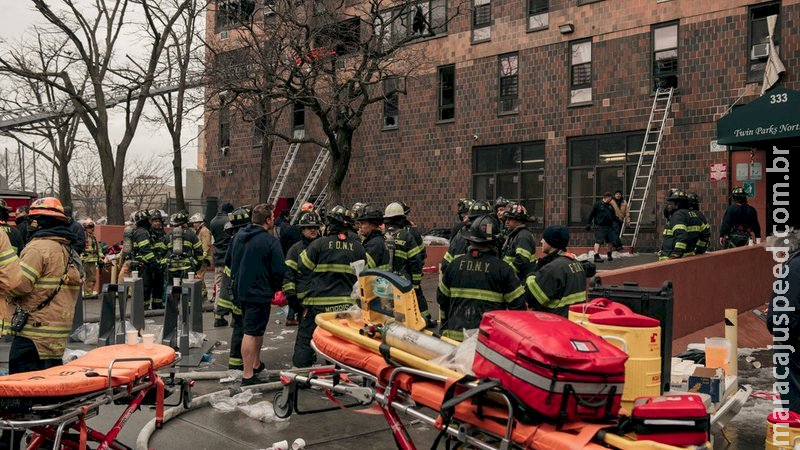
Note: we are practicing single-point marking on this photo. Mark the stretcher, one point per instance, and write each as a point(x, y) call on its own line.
point(399, 382)
point(54, 404)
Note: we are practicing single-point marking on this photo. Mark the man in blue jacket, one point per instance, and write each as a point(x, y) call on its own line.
point(257, 270)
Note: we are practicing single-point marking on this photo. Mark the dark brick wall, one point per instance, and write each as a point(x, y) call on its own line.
point(428, 164)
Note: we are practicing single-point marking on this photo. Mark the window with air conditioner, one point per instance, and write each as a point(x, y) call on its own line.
point(508, 100)
point(665, 56)
point(538, 15)
point(758, 48)
point(580, 76)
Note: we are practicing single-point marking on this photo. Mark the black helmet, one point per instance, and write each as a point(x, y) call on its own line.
point(239, 217)
point(478, 209)
point(370, 213)
point(516, 211)
point(339, 215)
point(141, 215)
point(694, 200)
point(679, 198)
point(179, 218)
point(309, 220)
point(356, 209)
point(483, 229)
point(738, 192)
point(155, 214)
point(500, 203)
point(464, 204)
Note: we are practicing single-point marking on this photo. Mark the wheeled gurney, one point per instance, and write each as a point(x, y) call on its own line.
point(54, 404)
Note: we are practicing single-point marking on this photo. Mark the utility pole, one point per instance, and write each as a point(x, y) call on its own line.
point(35, 185)
point(6, 164)
point(21, 160)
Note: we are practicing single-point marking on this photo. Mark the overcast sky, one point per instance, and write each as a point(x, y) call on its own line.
point(18, 17)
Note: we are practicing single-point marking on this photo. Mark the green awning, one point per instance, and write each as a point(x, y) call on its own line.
point(774, 115)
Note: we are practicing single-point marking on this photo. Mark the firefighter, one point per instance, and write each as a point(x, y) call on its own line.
point(326, 263)
point(558, 279)
point(9, 271)
point(47, 290)
point(404, 254)
point(310, 223)
point(141, 257)
point(519, 250)
point(603, 219)
point(92, 255)
point(205, 241)
point(477, 282)
point(222, 241)
point(184, 253)
point(412, 228)
point(14, 236)
point(680, 234)
point(458, 245)
point(159, 240)
point(294, 233)
point(463, 209)
point(500, 205)
point(238, 219)
point(703, 227)
point(369, 223)
point(740, 222)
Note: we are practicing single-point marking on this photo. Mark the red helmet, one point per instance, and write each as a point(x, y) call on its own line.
point(48, 206)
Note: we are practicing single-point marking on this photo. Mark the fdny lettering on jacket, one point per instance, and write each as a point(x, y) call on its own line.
point(341, 245)
point(474, 266)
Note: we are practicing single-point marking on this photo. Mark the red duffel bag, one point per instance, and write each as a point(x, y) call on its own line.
point(556, 367)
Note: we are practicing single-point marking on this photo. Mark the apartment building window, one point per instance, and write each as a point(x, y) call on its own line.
point(409, 22)
point(269, 8)
point(447, 92)
point(580, 72)
point(230, 67)
point(665, 56)
point(481, 20)
point(232, 13)
point(344, 37)
point(758, 50)
point(538, 14)
point(514, 171)
point(509, 83)
point(599, 164)
point(224, 127)
point(390, 113)
point(298, 119)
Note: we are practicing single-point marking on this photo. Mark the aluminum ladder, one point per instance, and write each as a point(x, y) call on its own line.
point(311, 181)
point(321, 198)
point(640, 186)
point(286, 167)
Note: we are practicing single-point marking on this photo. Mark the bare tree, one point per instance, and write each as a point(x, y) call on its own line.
point(58, 133)
point(146, 183)
point(182, 62)
point(333, 57)
point(87, 185)
point(93, 34)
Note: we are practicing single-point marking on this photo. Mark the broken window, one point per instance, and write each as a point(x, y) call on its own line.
point(665, 56)
point(447, 92)
point(231, 13)
point(224, 127)
point(758, 50)
point(390, 86)
point(411, 21)
point(509, 83)
point(344, 38)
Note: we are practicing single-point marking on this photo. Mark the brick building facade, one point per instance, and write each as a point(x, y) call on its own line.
point(588, 140)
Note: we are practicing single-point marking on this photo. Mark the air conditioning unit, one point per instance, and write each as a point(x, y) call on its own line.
point(759, 51)
point(223, 35)
point(225, 150)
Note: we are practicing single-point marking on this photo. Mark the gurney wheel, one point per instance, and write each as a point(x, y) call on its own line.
point(282, 404)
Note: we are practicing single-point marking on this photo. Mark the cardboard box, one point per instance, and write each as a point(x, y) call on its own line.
point(709, 381)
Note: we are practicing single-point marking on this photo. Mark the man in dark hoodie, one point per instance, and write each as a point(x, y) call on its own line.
point(22, 223)
point(79, 243)
point(257, 270)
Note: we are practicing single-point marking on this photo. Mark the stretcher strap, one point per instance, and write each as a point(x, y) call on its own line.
point(83, 430)
point(159, 401)
point(371, 411)
point(450, 402)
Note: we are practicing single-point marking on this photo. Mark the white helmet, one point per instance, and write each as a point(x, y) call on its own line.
point(87, 222)
point(394, 209)
point(196, 218)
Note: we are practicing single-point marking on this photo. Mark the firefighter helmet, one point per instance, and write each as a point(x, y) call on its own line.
point(339, 215)
point(196, 218)
point(479, 209)
point(309, 220)
point(370, 214)
point(155, 214)
point(500, 203)
point(141, 215)
point(694, 200)
point(4, 205)
point(678, 196)
point(357, 207)
point(464, 205)
point(239, 217)
point(50, 207)
point(179, 218)
point(738, 192)
point(516, 211)
point(484, 229)
point(394, 209)
point(87, 223)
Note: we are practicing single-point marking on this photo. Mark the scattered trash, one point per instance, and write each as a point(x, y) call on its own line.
point(765, 395)
point(298, 444)
point(756, 364)
point(277, 338)
point(207, 358)
point(221, 352)
point(750, 359)
point(287, 332)
point(87, 333)
point(262, 411)
point(71, 355)
point(263, 349)
point(226, 404)
point(233, 376)
point(196, 339)
point(460, 359)
point(219, 344)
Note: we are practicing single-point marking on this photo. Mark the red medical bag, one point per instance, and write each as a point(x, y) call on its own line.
point(678, 420)
point(554, 366)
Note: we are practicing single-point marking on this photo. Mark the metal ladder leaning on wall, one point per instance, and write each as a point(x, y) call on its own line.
point(321, 198)
point(310, 183)
point(640, 188)
point(280, 180)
